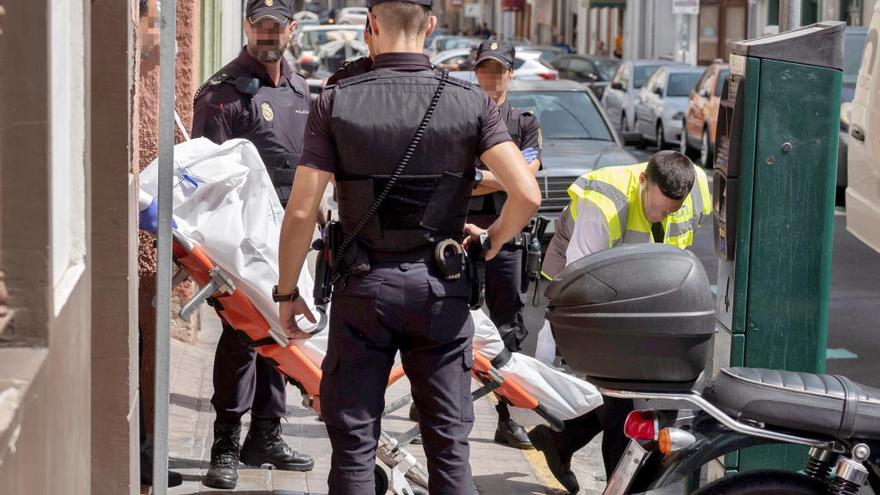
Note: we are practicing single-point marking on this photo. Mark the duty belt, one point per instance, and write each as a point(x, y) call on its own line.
point(447, 255)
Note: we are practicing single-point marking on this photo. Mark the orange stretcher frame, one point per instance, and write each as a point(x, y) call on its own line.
point(238, 311)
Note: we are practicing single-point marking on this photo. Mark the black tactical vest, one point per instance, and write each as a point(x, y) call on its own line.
point(374, 118)
point(491, 204)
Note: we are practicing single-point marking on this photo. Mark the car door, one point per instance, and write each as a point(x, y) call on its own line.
point(583, 71)
point(615, 95)
point(561, 66)
point(646, 102)
point(702, 111)
point(693, 123)
point(715, 101)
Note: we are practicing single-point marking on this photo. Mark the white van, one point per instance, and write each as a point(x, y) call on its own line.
point(863, 190)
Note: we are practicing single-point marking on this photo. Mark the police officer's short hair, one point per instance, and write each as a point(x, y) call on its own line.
point(672, 172)
point(403, 17)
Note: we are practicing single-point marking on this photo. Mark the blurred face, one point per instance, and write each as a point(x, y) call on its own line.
point(267, 39)
point(655, 204)
point(494, 78)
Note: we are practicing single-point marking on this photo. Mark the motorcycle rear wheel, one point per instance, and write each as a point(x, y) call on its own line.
point(765, 482)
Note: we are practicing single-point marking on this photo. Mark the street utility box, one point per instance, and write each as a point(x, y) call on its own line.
point(774, 184)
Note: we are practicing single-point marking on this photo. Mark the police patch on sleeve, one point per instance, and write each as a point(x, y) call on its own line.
point(266, 110)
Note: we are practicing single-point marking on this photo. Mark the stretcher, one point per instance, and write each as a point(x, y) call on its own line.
point(218, 290)
point(228, 222)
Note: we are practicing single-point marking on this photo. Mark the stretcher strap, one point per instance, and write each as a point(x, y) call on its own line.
point(502, 358)
point(254, 344)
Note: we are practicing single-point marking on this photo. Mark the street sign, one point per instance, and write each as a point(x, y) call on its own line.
point(685, 7)
point(473, 10)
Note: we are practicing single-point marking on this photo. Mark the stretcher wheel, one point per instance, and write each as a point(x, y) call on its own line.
point(381, 480)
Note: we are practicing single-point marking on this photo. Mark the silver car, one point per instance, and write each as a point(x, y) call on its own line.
point(576, 136)
point(527, 64)
point(619, 97)
point(660, 104)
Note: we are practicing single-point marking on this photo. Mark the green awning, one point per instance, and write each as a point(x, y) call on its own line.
point(619, 4)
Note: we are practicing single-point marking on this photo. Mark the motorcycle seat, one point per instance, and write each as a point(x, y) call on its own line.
point(826, 404)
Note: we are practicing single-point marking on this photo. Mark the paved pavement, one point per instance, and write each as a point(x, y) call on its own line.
point(497, 469)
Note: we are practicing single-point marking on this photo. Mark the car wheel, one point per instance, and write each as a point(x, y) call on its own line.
point(623, 125)
point(642, 144)
point(705, 150)
point(661, 143)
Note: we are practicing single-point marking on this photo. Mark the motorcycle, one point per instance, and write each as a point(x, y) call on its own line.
point(639, 322)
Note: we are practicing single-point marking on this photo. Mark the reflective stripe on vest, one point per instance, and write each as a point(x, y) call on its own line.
point(615, 191)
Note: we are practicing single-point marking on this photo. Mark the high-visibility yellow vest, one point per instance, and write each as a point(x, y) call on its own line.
point(615, 191)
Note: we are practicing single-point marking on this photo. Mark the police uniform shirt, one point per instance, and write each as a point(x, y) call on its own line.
point(273, 118)
point(319, 150)
point(526, 134)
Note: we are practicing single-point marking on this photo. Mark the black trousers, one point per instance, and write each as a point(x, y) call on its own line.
point(609, 419)
point(399, 307)
point(244, 381)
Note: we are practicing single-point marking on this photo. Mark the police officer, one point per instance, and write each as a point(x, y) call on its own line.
point(408, 293)
point(257, 97)
point(664, 201)
point(504, 273)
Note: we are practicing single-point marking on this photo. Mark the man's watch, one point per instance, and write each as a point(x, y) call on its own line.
point(284, 297)
point(478, 177)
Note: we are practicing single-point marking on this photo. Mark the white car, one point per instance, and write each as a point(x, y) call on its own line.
point(310, 39)
point(863, 167)
point(352, 15)
point(660, 105)
point(527, 64)
point(619, 98)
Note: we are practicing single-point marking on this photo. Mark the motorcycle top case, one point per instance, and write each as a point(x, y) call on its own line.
point(638, 317)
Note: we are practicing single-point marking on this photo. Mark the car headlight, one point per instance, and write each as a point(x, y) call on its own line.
point(678, 116)
point(845, 114)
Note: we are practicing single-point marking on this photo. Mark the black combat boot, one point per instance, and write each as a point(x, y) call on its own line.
point(264, 445)
point(224, 456)
point(556, 454)
point(509, 432)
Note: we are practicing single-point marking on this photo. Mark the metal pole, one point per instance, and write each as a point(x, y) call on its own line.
point(789, 15)
point(167, 55)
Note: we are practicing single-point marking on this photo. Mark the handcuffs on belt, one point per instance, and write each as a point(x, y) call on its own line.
point(450, 259)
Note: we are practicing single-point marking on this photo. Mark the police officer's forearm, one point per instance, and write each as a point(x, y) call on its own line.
point(523, 195)
point(299, 224)
point(490, 184)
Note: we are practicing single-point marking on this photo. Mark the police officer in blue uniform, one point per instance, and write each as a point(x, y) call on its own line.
point(256, 97)
point(401, 141)
point(504, 300)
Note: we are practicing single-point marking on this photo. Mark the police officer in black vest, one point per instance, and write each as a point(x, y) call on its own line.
point(257, 97)
point(401, 141)
point(494, 69)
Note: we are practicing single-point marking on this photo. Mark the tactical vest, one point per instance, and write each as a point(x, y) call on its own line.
point(491, 204)
point(280, 147)
point(374, 118)
point(615, 191)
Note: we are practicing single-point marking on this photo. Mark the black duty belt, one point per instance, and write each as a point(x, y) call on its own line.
point(422, 255)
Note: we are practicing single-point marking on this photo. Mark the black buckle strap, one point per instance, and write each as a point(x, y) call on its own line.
point(502, 358)
point(850, 407)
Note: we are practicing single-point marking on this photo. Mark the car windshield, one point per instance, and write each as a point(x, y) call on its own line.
point(563, 114)
point(682, 83)
point(312, 40)
point(607, 67)
point(642, 73)
point(853, 48)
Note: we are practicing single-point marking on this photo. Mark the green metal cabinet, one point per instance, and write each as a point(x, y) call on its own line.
point(774, 185)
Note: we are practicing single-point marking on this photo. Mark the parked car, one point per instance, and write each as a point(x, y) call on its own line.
point(445, 42)
point(701, 115)
point(853, 49)
point(661, 103)
point(309, 40)
point(595, 72)
point(619, 97)
point(548, 53)
point(306, 18)
point(863, 191)
point(577, 136)
point(352, 15)
point(527, 64)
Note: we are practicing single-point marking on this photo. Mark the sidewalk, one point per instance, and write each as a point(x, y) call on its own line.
point(497, 469)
